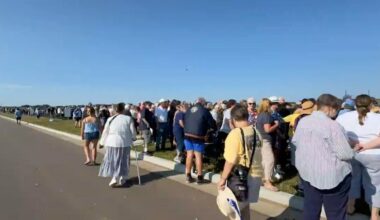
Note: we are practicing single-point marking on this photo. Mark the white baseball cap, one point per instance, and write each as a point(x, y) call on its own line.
point(162, 101)
point(273, 99)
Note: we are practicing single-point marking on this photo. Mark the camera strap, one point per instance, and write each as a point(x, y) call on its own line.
point(245, 148)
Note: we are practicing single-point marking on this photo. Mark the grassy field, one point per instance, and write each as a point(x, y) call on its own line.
point(57, 124)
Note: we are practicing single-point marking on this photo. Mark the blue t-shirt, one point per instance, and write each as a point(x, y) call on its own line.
point(77, 113)
point(18, 114)
point(177, 127)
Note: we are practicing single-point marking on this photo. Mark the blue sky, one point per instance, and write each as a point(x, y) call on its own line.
point(73, 52)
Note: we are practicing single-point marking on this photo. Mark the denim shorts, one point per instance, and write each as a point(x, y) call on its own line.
point(194, 146)
point(91, 136)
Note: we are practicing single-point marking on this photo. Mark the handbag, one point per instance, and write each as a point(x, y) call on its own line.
point(105, 133)
point(238, 179)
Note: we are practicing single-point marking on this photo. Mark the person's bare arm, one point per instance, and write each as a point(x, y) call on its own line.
point(226, 173)
point(270, 128)
point(82, 129)
point(181, 123)
point(146, 122)
point(369, 145)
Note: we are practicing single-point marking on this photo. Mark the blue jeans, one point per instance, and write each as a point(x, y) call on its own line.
point(162, 133)
point(179, 139)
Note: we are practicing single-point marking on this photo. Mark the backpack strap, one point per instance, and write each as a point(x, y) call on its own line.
point(253, 147)
point(243, 142)
point(109, 124)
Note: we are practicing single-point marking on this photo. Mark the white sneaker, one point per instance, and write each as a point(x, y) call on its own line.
point(122, 181)
point(177, 159)
point(113, 182)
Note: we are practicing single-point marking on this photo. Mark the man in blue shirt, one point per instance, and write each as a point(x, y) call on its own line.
point(198, 121)
point(18, 115)
point(77, 115)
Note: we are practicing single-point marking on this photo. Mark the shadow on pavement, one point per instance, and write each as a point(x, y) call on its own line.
point(289, 213)
point(149, 177)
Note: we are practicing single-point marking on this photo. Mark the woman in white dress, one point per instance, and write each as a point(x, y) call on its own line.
point(118, 136)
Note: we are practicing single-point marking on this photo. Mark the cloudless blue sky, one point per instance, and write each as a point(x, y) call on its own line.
point(73, 52)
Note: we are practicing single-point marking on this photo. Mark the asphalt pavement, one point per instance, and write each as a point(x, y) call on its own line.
point(42, 177)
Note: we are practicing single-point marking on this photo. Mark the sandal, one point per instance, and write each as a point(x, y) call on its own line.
point(88, 163)
point(93, 163)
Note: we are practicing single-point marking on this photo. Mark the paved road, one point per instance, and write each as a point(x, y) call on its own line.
point(42, 177)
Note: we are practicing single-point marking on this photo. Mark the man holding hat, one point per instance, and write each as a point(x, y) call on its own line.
point(237, 153)
point(228, 204)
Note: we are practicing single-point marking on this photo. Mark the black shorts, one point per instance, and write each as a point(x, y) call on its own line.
point(77, 119)
point(18, 118)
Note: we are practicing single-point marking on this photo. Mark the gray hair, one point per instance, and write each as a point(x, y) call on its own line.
point(201, 100)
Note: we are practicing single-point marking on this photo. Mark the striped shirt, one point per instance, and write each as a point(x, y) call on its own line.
point(323, 154)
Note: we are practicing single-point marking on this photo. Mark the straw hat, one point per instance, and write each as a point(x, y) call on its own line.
point(307, 107)
point(228, 204)
point(376, 109)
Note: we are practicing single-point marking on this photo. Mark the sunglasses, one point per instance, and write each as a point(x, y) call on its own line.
point(251, 103)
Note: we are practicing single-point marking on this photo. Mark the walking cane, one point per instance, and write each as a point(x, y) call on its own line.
point(137, 164)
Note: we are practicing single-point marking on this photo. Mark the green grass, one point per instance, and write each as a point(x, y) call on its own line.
point(57, 124)
point(289, 184)
point(167, 154)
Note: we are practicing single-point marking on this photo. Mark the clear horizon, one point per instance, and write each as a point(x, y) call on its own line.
point(75, 52)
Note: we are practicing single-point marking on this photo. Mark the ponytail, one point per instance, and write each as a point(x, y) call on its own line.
point(362, 114)
point(363, 106)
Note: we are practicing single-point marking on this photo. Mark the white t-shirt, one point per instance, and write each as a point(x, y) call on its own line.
point(161, 115)
point(362, 133)
point(226, 121)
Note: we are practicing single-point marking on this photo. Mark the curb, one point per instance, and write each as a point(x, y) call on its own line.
point(280, 198)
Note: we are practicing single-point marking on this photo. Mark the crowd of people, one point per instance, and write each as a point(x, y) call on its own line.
point(333, 143)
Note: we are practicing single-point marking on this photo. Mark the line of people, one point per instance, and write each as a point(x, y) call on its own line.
point(335, 146)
